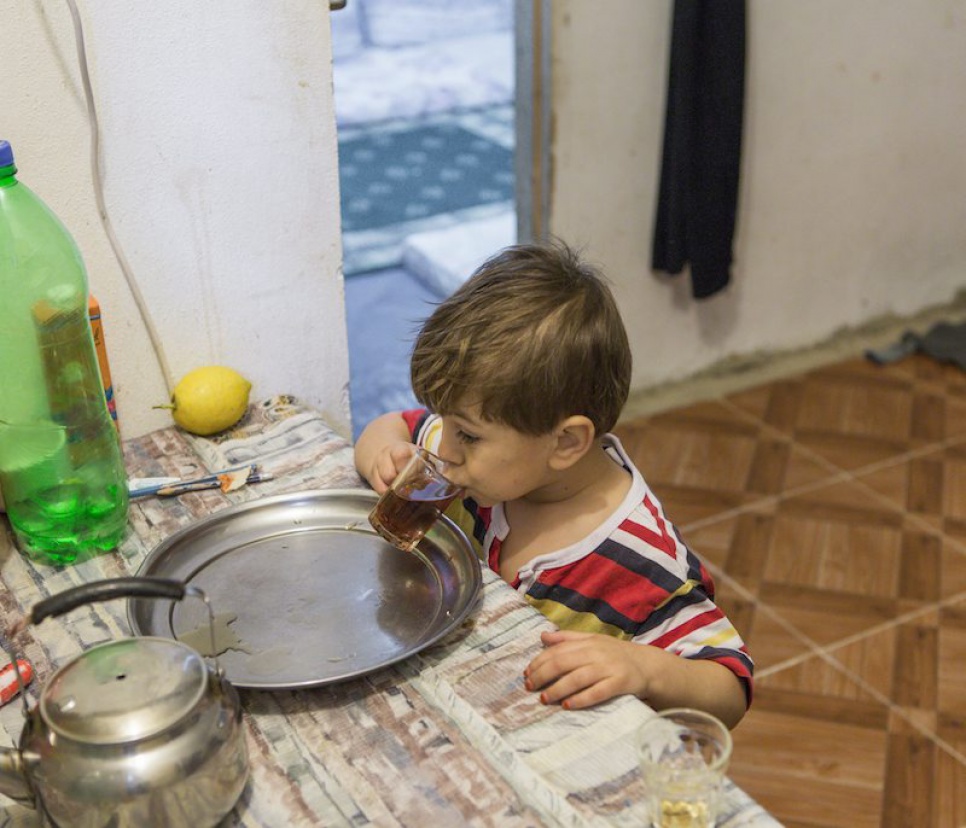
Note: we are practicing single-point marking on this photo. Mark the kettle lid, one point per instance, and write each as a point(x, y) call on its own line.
point(124, 690)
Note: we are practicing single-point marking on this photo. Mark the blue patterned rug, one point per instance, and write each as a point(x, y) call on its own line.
point(400, 176)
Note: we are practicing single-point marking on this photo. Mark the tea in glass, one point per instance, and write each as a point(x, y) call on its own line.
point(415, 500)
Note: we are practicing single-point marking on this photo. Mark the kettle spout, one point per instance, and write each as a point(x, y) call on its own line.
point(13, 777)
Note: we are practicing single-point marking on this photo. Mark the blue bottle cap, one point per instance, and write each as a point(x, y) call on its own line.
point(6, 153)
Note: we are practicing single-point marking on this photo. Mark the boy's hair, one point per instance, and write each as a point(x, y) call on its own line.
point(533, 336)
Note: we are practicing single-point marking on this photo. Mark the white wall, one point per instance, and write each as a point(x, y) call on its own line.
point(853, 192)
point(219, 154)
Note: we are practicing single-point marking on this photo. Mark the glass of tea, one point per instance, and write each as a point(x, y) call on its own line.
point(684, 755)
point(415, 500)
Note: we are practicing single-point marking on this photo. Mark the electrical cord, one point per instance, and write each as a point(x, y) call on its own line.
point(102, 207)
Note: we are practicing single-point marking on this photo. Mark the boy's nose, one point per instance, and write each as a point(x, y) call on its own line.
point(449, 450)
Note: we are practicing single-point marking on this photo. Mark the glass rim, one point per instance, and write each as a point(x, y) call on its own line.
point(433, 463)
point(439, 465)
point(425, 452)
point(720, 763)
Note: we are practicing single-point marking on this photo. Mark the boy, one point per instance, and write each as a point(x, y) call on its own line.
point(525, 369)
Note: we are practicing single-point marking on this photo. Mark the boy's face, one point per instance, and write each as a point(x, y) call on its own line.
point(492, 461)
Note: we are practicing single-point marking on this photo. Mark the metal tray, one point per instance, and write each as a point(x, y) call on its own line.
point(305, 593)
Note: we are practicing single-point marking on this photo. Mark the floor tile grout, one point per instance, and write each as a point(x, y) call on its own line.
point(838, 475)
point(826, 654)
point(905, 499)
point(892, 707)
point(812, 647)
point(838, 471)
point(878, 629)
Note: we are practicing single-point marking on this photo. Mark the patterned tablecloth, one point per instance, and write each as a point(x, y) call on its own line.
point(448, 737)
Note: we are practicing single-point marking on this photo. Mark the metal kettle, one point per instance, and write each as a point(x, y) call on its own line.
point(134, 732)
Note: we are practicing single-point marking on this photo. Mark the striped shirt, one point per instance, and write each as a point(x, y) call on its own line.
point(633, 577)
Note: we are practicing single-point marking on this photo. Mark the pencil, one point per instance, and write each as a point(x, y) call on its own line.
point(208, 481)
point(201, 485)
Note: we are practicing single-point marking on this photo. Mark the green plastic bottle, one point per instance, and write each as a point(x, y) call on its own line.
point(61, 469)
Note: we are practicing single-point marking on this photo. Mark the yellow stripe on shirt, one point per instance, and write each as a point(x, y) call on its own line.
point(728, 634)
point(462, 517)
point(684, 589)
point(567, 619)
point(434, 435)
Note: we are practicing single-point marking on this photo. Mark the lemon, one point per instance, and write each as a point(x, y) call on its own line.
point(209, 399)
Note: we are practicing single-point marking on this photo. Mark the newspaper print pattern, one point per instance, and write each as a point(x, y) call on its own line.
point(447, 737)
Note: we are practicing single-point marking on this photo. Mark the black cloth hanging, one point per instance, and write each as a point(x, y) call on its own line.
point(698, 197)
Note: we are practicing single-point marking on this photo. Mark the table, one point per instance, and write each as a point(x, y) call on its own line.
point(448, 737)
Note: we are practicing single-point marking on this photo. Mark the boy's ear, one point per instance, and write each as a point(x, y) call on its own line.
point(575, 436)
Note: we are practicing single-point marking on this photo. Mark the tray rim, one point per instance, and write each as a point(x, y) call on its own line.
point(472, 596)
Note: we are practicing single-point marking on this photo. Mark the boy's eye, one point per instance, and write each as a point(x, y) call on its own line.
point(463, 437)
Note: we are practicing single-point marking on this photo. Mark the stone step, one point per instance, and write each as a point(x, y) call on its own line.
point(443, 259)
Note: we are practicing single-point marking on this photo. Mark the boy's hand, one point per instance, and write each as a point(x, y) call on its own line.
point(578, 670)
point(383, 449)
point(387, 463)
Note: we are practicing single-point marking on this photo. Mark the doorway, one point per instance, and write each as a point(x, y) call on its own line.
point(425, 96)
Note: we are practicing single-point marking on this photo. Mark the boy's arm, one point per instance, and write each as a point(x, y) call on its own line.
point(382, 449)
point(580, 670)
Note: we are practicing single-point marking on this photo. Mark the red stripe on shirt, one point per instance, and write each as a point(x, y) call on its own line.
point(660, 539)
point(597, 575)
point(681, 631)
point(413, 417)
point(739, 668)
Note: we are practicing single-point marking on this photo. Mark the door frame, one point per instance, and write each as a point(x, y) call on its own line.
point(532, 112)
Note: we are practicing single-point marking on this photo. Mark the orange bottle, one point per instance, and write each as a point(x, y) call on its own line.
point(97, 328)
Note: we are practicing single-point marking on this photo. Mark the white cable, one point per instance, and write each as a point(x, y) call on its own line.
point(102, 208)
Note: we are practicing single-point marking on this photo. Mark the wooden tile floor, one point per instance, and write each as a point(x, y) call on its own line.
point(831, 509)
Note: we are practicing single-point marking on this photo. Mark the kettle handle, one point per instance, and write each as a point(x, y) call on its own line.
point(105, 590)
